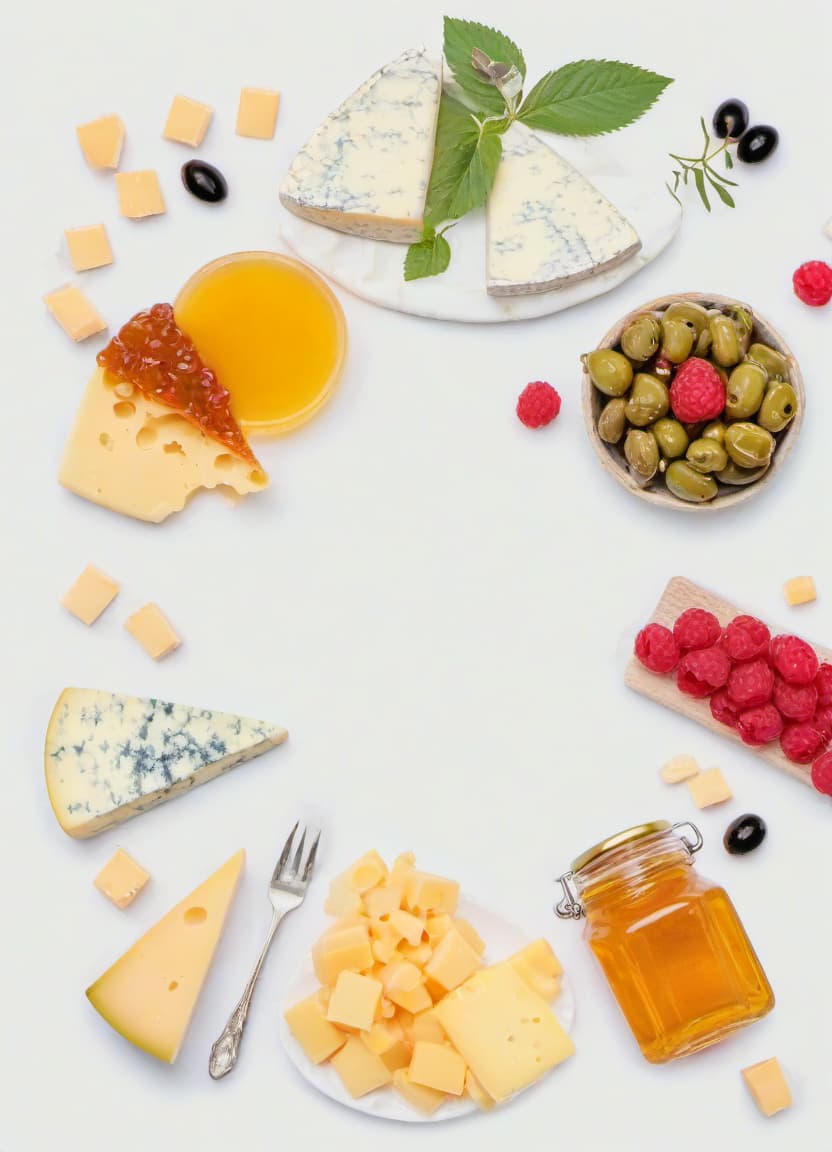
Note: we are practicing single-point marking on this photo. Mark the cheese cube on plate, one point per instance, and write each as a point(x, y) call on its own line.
point(91, 593)
point(768, 1086)
point(336, 952)
point(453, 961)
point(121, 879)
point(139, 194)
point(187, 121)
point(425, 893)
point(382, 901)
point(539, 967)
point(88, 247)
point(361, 1071)
point(469, 933)
point(424, 1100)
point(153, 631)
point(354, 1001)
point(308, 1024)
point(437, 1066)
point(477, 1093)
point(257, 113)
point(101, 141)
point(74, 312)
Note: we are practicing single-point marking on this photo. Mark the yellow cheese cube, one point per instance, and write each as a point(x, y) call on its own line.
point(88, 247)
point(418, 954)
point(426, 1026)
point(539, 967)
point(437, 1066)
point(678, 769)
point(121, 879)
point(139, 194)
point(343, 901)
point(187, 121)
point(415, 1000)
point(800, 590)
point(453, 961)
point(385, 946)
point(91, 593)
point(402, 865)
point(478, 1094)
point(709, 788)
point(410, 926)
point(308, 1024)
point(387, 1040)
point(75, 314)
point(101, 141)
point(505, 1032)
point(366, 873)
point(424, 893)
point(424, 1100)
point(400, 976)
point(469, 933)
point(257, 113)
point(337, 952)
point(361, 1071)
point(437, 926)
point(153, 631)
point(768, 1086)
point(388, 1009)
point(382, 901)
point(354, 1002)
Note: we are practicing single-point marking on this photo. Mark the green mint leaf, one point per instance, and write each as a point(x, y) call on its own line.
point(673, 194)
point(699, 177)
point(714, 175)
point(723, 193)
point(430, 257)
point(461, 36)
point(706, 135)
point(465, 160)
point(590, 97)
point(729, 160)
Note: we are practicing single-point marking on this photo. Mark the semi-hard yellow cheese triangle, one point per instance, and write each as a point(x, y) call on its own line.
point(139, 457)
point(150, 993)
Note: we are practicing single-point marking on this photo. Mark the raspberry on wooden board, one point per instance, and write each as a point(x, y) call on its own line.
point(696, 628)
point(794, 659)
point(759, 726)
point(751, 683)
point(702, 671)
point(746, 637)
point(822, 774)
point(656, 648)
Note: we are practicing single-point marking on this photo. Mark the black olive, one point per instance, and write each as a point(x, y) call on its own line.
point(757, 144)
point(204, 181)
point(744, 834)
point(730, 119)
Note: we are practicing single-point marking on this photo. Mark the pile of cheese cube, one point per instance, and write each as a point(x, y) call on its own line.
point(405, 1000)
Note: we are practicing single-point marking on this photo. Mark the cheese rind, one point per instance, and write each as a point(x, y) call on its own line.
point(547, 225)
point(366, 169)
point(101, 141)
point(109, 757)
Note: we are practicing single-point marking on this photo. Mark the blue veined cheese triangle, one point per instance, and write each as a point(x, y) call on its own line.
point(109, 757)
point(366, 169)
point(548, 226)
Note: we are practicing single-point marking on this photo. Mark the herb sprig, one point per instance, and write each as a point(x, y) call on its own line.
point(703, 172)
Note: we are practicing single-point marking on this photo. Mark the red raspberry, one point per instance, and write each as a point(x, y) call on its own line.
point(813, 283)
point(696, 628)
point(697, 392)
point(723, 709)
point(760, 725)
point(823, 683)
point(702, 671)
point(822, 720)
point(656, 648)
point(795, 701)
point(746, 637)
point(801, 743)
point(822, 774)
point(794, 659)
point(751, 684)
point(538, 404)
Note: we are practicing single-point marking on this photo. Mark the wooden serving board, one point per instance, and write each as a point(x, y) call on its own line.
point(679, 595)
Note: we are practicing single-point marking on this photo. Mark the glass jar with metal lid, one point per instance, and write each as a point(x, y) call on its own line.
point(670, 942)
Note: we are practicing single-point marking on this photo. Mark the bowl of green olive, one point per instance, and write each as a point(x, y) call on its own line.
point(735, 386)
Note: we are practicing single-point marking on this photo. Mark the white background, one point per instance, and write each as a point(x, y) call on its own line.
point(437, 602)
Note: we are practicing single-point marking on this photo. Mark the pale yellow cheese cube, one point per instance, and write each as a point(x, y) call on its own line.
point(424, 1100)
point(187, 121)
point(354, 1001)
point(539, 967)
point(257, 113)
point(91, 593)
point(426, 1026)
point(153, 631)
point(477, 1093)
point(101, 141)
point(365, 873)
point(437, 1066)
point(74, 312)
point(387, 1040)
point(678, 769)
point(361, 1071)
point(417, 954)
point(139, 194)
point(768, 1086)
point(469, 933)
point(453, 961)
point(800, 590)
point(121, 879)
point(402, 865)
point(709, 788)
point(413, 1000)
point(400, 976)
point(425, 893)
point(385, 944)
point(348, 950)
point(388, 1009)
point(437, 926)
point(88, 247)
point(343, 901)
point(308, 1024)
point(382, 901)
point(411, 927)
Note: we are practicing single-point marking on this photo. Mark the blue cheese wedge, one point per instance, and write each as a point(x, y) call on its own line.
point(366, 169)
point(109, 757)
point(547, 225)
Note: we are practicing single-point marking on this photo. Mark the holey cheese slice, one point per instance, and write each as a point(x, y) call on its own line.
point(150, 993)
point(366, 169)
point(138, 457)
point(109, 757)
point(547, 225)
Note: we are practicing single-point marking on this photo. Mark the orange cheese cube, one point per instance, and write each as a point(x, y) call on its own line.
point(768, 1086)
point(437, 1066)
point(800, 590)
point(471, 935)
point(88, 247)
point(453, 961)
point(139, 194)
point(152, 631)
point(101, 141)
point(308, 1024)
point(539, 967)
point(187, 121)
point(361, 1071)
point(382, 901)
point(709, 788)
point(410, 926)
point(121, 879)
point(426, 893)
point(354, 1001)
point(75, 314)
point(426, 1026)
point(91, 593)
point(337, 952)
point(424, 1100)
point(477, 1093)
point(257, 113)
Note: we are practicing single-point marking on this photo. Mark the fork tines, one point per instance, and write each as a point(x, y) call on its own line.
point(303, 860)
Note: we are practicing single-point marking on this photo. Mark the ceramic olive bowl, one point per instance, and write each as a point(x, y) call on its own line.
point(612, 455)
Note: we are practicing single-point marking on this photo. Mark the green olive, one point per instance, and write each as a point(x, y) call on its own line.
point(714, 431)
point(677, 340)
point(749, 445)
point(775, 364)
point(671, 437)
point(688, 484)
point(640, 339)
point(706, 455)
point(612, 421)
point(642, 454)
point(611, 373)
point(648, 400)
point(778, 407)
point(725, 341)
point(746, 386)
point(703, 343)
point(694, 315)
point(736, 476)
point(744, 323)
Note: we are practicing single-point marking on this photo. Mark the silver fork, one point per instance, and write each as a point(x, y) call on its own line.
point(287, 889)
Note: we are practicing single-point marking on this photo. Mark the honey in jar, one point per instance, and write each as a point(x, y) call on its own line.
point(670, 942)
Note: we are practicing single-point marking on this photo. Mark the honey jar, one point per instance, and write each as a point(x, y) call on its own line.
point(670, 942)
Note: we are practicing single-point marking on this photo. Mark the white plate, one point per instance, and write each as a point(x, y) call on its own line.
point(502, 939)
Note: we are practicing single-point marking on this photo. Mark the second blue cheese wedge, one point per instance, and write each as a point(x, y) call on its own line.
point(366, 169)
point(547, 225)
point(109, 757)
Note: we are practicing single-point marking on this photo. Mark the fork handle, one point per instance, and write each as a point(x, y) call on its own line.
point(226, 1048)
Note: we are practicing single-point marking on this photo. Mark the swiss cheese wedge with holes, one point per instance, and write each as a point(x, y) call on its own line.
point(143, 459)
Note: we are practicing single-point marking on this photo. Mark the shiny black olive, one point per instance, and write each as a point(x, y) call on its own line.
point(757, 144)
point(744, 834)
point(730, 119)
point(204, 181)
